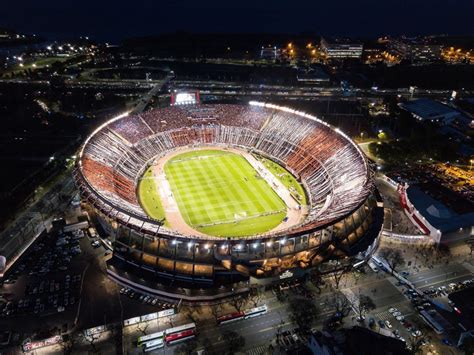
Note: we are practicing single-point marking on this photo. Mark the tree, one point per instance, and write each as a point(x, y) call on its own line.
point(393, 257)
point(362, 304)
point(68, 344)
point(415, 344)
point(233, 340)
point(90, 339)
point(216, 310)
point(255, 296)
point(188, 312)
point(470, 244)
point(187, 347)
point(339, 302)
point(316, 278)
point(237, 302)
point(142, 327)
point(442, 251)
point(303, 312)
point(336, 273)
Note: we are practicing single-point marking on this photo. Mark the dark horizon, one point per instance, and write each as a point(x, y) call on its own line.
point(114, 21)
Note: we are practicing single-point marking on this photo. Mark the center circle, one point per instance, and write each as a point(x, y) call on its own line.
point(222, 192)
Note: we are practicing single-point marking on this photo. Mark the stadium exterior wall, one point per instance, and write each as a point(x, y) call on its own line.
point(147, 253)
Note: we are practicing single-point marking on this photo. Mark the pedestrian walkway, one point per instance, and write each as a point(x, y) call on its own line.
point(468, 266)
point(259, 350)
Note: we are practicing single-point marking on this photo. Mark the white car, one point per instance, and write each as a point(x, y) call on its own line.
point(392, 310)
point(397, 314)
point(400, 318)
point(388, 324)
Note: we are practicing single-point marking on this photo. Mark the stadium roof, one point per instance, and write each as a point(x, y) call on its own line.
point(438, 215)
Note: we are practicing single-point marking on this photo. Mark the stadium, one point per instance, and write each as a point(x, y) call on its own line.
point(203, 200)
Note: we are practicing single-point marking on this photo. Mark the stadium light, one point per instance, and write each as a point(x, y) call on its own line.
point(269, 243)
point(174, 242)
point(255, 245)
point(122, 115)
point(190, 244)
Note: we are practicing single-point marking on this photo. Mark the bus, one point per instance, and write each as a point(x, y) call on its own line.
point(381, 263)
point(153, 345)
point(180, 329)
point(153, 336)
point(372, 266)
point(254, 312)
point(179, 337)
point(231, 317)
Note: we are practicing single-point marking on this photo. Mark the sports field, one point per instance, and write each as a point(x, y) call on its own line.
point(150, 198)
point(219, 193)
point(285, 177)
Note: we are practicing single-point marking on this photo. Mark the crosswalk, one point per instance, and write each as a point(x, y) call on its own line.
point(403, 307)
point(259, 350)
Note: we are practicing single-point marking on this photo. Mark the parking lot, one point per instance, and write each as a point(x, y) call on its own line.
point(46, 280)
point(60, 283)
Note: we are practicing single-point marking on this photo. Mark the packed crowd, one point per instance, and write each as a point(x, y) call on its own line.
point(332, 168)
point(436, 181)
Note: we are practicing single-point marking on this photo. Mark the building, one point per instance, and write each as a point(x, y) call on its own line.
point(341, 49)
point(433, 217)
point(463, 316)
point(454, 322)
point(451, 121)
point(315, 75)
point(343, 220)
point(431, 110)
point(270, 53)
point(419, 50)
point(355, 340)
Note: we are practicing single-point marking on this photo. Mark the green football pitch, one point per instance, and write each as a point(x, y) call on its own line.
point(219, 193)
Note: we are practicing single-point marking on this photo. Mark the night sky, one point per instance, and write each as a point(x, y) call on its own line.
point(113, 20)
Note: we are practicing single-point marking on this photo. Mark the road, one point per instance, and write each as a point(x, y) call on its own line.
point(440, 275)
point(144, 101)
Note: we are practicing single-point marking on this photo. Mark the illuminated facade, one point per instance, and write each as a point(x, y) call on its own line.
point(344, 217)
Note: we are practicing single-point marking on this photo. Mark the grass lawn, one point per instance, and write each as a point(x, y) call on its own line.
point(219, 193)
point(286, 178)
point(149, 197)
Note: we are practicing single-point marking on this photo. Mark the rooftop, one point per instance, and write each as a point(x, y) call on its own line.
point(437, 213)
point(427, 109)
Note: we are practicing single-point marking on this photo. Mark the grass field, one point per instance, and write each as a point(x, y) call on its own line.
point(285, 177)
point(150, 198)
point(219, 193)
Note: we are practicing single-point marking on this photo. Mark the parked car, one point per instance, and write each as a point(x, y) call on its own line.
point(371, 322)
